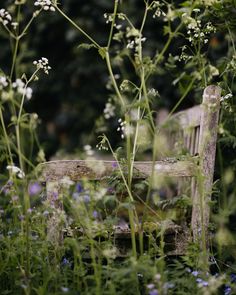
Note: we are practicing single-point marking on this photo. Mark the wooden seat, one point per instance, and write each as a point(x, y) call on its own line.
point(193, 131)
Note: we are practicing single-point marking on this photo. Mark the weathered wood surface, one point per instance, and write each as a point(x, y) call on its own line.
point(188, 118)
point(207, 149)
point(97, 169)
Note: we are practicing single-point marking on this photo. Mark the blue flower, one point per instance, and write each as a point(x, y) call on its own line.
point(65, 262)
point(227, 290)
point(195, 273)
point(233, 277)
point(86, 199)
point(95, 214)
point(153, 292)
point(34, 189)
point(79, 188)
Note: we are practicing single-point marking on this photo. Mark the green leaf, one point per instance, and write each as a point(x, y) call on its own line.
point(167, 30)
point(86, 46)
point(102, 52)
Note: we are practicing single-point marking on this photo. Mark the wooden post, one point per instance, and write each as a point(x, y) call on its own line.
point(207, 150)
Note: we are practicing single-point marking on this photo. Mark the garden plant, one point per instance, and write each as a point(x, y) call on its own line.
point(155, 54)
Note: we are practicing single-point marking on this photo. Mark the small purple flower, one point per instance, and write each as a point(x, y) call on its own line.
point(79, 188)
point(150, 286)
point(65, 262)
point(75, 196)
point(110, 190)
point(29, 210)
point(233, 277)
point(34, 189)
point(86, 199)
point(95, 214)
point(114, 165)
point(153, 292)
point(205, 284)
point(195, 273)
point(21, 217)
point(227, 290)
point(55, 196)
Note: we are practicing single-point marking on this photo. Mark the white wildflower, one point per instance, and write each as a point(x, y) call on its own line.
point(226, 97)
point(153, 92)
point(16, 170)
point(109, 110)
point(22, 89)
point(66, 182)
point(3, 82)
point(15, 25)
point(42, 64)
point(88, 150)
point(5, 17)
point(45, 4)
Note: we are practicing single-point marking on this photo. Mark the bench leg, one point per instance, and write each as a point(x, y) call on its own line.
point(54, 199)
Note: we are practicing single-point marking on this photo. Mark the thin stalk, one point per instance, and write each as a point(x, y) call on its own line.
point(29, 23)
point(181, 99)
point(108, 62)
point(78, 27)
point(6, 136)
point(130, 211)
point(19, 118)
point(17, 39)
point(96, 273)
point(171, 36)
point(112, 24)
point(143, 82)
point(14, 57)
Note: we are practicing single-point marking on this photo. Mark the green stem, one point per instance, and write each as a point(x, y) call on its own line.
point(108, 62)
point(112, 24)
point(78, 27)
point(6, 137)
point(19, 118)
point(14, 57)
point(130, 211)
point(28, 24)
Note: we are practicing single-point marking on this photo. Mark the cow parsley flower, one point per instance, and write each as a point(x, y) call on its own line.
point(42, 64)
point(5, 17)
point(45, 4)
point(109, 110)
point(88, 150)
point(16, 170)
point(3, 82)
point(22, 89)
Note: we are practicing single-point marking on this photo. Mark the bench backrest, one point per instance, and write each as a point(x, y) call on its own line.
point(192, 132)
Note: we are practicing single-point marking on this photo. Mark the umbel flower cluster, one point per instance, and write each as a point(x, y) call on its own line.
point(45, 5)
point(3, 82)
point(21, 88)
point(6, 19)
point(42, 64)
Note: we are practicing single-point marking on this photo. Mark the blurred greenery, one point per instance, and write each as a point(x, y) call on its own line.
point(71, 99)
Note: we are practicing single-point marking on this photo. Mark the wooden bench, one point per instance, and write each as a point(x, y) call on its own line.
point(195, 130)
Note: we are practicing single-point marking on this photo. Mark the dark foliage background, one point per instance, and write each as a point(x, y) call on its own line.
point(73, 96)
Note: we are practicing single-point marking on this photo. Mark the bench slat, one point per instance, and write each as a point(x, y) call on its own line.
point(96, 169)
